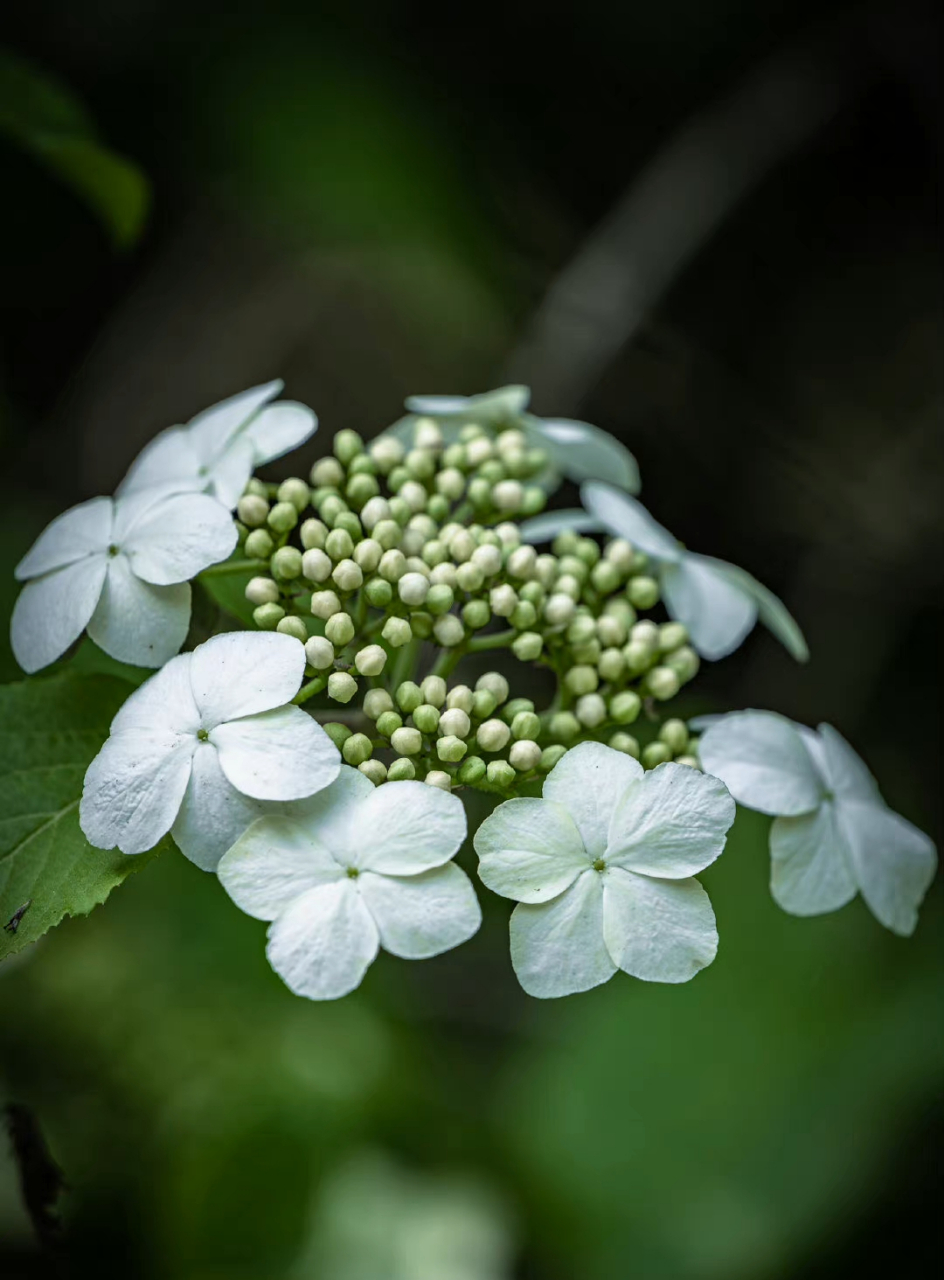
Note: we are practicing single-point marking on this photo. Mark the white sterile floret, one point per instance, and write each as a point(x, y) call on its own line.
point(602, 870)
point(354, 869)
point(118, 567)
point(197, 747)
point(218, 450)
point(833, 835)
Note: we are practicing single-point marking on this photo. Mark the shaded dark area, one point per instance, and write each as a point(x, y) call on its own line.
point(375, 201)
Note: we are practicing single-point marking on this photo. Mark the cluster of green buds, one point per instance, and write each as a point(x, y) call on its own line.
point(392, 563)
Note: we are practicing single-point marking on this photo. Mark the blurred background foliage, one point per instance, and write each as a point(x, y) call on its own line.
point(728, 210)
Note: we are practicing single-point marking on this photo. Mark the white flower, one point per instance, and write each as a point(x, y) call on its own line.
point(834, 835)
point(602, 870)
point(118, 567)
point(718, 602)
point(197, 748)
point(355, 868)
point(218, 450)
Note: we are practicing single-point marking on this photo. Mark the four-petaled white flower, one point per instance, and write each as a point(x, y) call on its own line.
point(602, 869)
point(354, 869)
point(218, 450)
point(119, 568)
point(201, 744)
point(833, 835)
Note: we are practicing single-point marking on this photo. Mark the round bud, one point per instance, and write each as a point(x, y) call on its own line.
point(503, 600)
point(692, 761)
point(524, 756)
point(256, 486)
point(684, 662)
point(326, 472)
point(526, 724)
point(454, 722)
point(611, 664)
point(330, 508)
point(587, 550)
point(574, 568)
point(294, 491)
point(434, 690)
point(508, 495)
point(451, 483)
point(626, 743)
point(590, 710)
point(471, 771)
point(357, 748)
point(569, 585)
point(283, 517)
point(663, 683)
point(413, 588)
point(367, 554)
point(492, 470)
point(551, 756)
point(523, 616)
point(316, 565)
point(388, 533)
point(444, 575)
point(645, 632)
point(672, 635)
point(488, 559)
point(293, 626)
point(252, 510)
point(324, 604)
point(339, 629)
point(611, 631)
point(426, 718)
point(376, 770)
point(625, 707)
point(413, 494)
point(435, 552)
point(409, 696)
point(387, 453)
point(460, 695)
point(347, 575)
point(450, 749)
point(642, 592)
point(558, 610)
point(349, 523)
point(438, 778)
point(262, 591)
point(339, 544)
point(373, 511)
point(407, 742)
point(313, 534)
point(341, 686)
point(528, 646)
point(400, 510)
point(360, 489)
point(415, 565)
point(320, 652)
point(620, 555)
point(469, 576)
point(397, 632)
point(448, 631)
point(587, 655)
point(370, 660)
point(495, 684)
point(638, 656)
point(268, 616)
point(521, 562)
point(378, 592)
point(580, 680)
point(338, 733)
point(565, 543)
point(532, 593)
point(376, 702)
point(461, 546)
point(388, 722)
point(582, 629)
point(401, 771)
point(347, 445)
point(515, 707)
point(392, 565)
point(427, 434)
point(655, 753)
point(478, 450)
point(674, 733)
point(439, 599)
point(438, 507)
point(493, 735)
point(286, 563)
point(619, 607)
point(500, 773)
point(605, 577)
point(422, 624)
point(259, 545)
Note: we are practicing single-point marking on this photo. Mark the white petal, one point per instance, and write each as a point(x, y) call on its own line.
point(134, 788)
point(83, 530)
point(213, 814)
point(170, 460)
point(164, 701)
point(273, 863)
point(52, 611)
point(424, 915)
point(584, 452)
point(672, 823)
point(279, 429)
point(847, 772)
point(331, 815)
point(894, 862)
point(546, 527)
point(629, 519)
point(241, 672)
point(717, 612)
point(136, 622)
point(490, 406)
point(529, 850)
point(658, 930)
point(403, 828)
point(231, 471)
point(212, 430)
point(772, 612)
point(324, 943)
point(810, 868)
point(557, 947)
point(277, 755)
point(762, 759)
point(590, 782)
point(173, 539)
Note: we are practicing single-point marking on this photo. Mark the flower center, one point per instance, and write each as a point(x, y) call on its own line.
point(352, 873)
point(203, 735)
point(599, 864)
point(114, 550)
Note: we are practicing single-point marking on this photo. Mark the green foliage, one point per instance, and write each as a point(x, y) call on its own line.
point(44, 118)
point(49, 731)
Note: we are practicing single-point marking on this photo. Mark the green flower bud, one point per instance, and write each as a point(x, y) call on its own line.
point(438, 507)
point(360, 489)
point(400, 510)
point(433, 689)
point(500, 773)
point(674, 733)
point(503, 600)
point(376, 770)
point(523, 616)
point(564, 727)
point(646, 632)
point(526, 725)
point(662, 683)
point(259, 545)
point(367, 554)
point(488, 559)
point(580, 680)
point(440, 599)
point(421, 464)
point(545, 570)
point(626, 743)
point(619, 607)
point(326, 472)
point(415, 565)
point(620, 554)
point(409, 696)
point(413, 588)
point(476, 614)
point(508, 495)
point(611, 632)
point(461, 545)
point(573, 567)
point(392, 565)
point(286, 563)
point(642, 592)
point(388, 722)
point(320, 496)
point(407, 742)
point(268, 616)
point(454, 455)
point(283, 517)
point(339, 629)
point(528, 646)
point(349, 523)
point(551, 756)
point(586, 655)
point(605, 577)
point(387, 453)
point(435, 552)
point(448, 631)
point(638, 656)
point(515, 707)
point(378, 592)
point(319, 652)
point(611, 664)
point(370, 660)
point(252, 510)
point(590, 710)
point(532, 593)
point(294, 491)
point(414, 495)
point(388, 534)
point(313, 534)
point(293, 626)
point(357, 748)
point(582, 629)
point(256, 486)
point(341, 686)
point(454, 722)
point(521, 562)
point(692, 761)
point(451, 749)
point(262, 591)
point(461, 696)
point(444, 575)
point(376, 702)
point(655, 753)
point(565, 544)
point(567, 585)
point(672, 635)
point(324, 604)
point(469, 576)
point(347, 575)
point(347, 445)
point(438, 778)
point(373, 512)
point(494, 683)
point(338, 733)
point(524, 756)
point(684, 662)
point(397, 632)
point(625, 707)
point(316, 565)
point(559, 610)
point(451, 483)
point(471, 771)
point(362, 465)
point(401, 771)
point(426, 718)
point(483, 704)
point(339, 544)
point(422, 624)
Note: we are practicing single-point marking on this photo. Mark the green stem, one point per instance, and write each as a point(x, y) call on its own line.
point(498, 640)
point(310, 689)
point(233, 566)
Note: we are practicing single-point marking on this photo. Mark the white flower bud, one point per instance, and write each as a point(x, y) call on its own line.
point(413, 588)
point(508, 495)
point(325, 604)
point(388, 533)
point(427, 434)
point(340, 629)
point(461, 546)
point(295, 491)
point(469, 576)
point(448, 631)
point(445, 575)
point(451, 483)
point(434, 691)
point(545, 569)
point(524, 755)
point(511, 441)
point(367, 554)
point(327, 473)
point(316, 565)
point(262, 591)
point(320, 653)
point(376, 702)
point(370, 661)
point(392, 565)
point(611, 631)
point(455, 723)
point(493, 735)
point(347, 575)
point(252, 510)
point(293, 626)
point(559, 609)
point(413, 494)
point(620, 554)
point(567, 585)
point(590, 710)
point(313, 533)
point(387, 452)
point(478, 451)
point(397, 632)
point(647, 633)
point(521, 562)
point(406, 742)
point(438, 778)
point(373, 511)
point(341, 686)
point(415, 564)
point(461, 696)
point(412, 541)
point(376, 770)
point(503, 600)
point(495, 684)
point(488, 559)
point(509, 535)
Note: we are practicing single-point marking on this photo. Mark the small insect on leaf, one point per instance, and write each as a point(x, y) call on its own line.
point(13, 923)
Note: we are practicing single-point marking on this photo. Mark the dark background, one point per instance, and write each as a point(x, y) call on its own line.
point(708, 226)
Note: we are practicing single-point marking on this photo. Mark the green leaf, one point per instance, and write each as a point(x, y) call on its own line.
point(43, 117)
point(50, 730)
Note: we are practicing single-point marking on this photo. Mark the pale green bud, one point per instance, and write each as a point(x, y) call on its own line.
point(378, 592)
point(388, 533)
point(451, 749)
point(367, 554)
point(528, 646)
point(620, 555)
point(626, 743)
point(397, 632)
point(573, 567)
point(341, 686)
point(256, 486)
point(376, 702)
point(357, 749)
point(427, 433)
point(392, 565)
point(587, 550)
point(672, 635)
point(454, 455)
point(469, 577)
point(643, 592)
point(590, 710)
point(401, 771)
point(422, 624)
point(478, 451)
point(434, 690)
point(370, 660)
point(252, 510)
point(338, 733)
point(523, 616)
point(316, 565)
point(495, 684)
point(586, 655)
point(488, 559)
point(413, 588)
point(493, 735)
point(294, 491)
point(409, 696)
point(503, 600)
point(460, 695)
point(461, 546)
point(521, 562)
point(692, 761)
point(286, 563)
point(259, 545)
point(565, 543)
point(438, 778)
point(262, 591)
point(532, 593)
point(339, 629)
point(611, 664)
point(508, 495)
point(515, 707)
point(331, 507)
point(580, 680)
point(559, 610)
point(567, 585)
point(347, 575)
point(638, 656)
point(435, 552)
point(347, 445)
point(510, 440)
point(483, 704)
point(283, 517)
point(292, 626)
point(400, 510)
point(655, 753)
point(324, 604)
point(440, 599)
point(625, 706)
point(662, 683)
point(454, 722)
point(611, 632)
point(684, 662)
point(388, 722)
point(524, 756)
point(426, 718)
point(619, 607)
point(674, 733)
point(526, 724)
point(376, 770)
point(545, 570)
point(327, 473)
point(646, 632)
point(551, 756)
point(451, 483)
point(449, 631)
point(582, 629)
point(320, 652)
point(349, 522)
point(500, 773)
point(605, 577)
point(387, 453)
point(360, 489)
point(313, 534)
point(398, 478)
point(414, 495)
point(268, 616)
point(407, 742)
point(373, 511)
point(471, 771)
point(339, 544)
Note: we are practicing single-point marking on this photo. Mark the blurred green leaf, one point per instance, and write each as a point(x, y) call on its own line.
point(49, 732)
point(44, 118)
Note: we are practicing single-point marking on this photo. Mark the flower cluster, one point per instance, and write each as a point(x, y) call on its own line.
point(316, 757)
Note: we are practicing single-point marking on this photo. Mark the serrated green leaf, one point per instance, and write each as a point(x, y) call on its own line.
point(50, 729)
